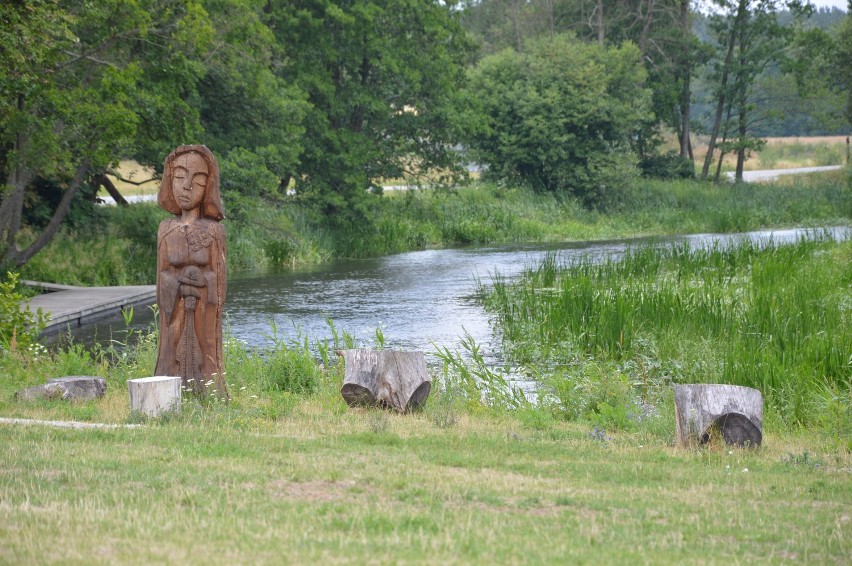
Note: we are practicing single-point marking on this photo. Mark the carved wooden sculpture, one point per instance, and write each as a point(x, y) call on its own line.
point(191, 271)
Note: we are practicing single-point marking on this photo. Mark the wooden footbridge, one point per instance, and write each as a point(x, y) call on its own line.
point(68, 305)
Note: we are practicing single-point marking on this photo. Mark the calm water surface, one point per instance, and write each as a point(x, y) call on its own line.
point(419, 299)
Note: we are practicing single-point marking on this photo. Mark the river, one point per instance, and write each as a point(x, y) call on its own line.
point(420, 299)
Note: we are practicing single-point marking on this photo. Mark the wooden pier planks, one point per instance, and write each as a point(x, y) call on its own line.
point(74, 306)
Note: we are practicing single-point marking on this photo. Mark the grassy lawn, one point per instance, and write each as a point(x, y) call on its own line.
point(331, 485)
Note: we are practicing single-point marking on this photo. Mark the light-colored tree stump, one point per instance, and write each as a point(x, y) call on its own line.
point(382, 378)
point(735, 412)
point(153, 396)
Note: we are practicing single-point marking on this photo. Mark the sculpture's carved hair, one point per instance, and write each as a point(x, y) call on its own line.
point(211, 205)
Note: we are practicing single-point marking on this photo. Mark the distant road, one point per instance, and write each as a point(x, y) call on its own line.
point(773, 174)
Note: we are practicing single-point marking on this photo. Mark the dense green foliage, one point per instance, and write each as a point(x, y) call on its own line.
point(19, 325)
point(334, 99)
point(382, 80)
point(328, 97)
point(82, 84)
point(561, 116)
point(773, 317)
point(117, 245)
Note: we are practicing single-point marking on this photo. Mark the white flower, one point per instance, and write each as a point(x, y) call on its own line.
point(745, 469)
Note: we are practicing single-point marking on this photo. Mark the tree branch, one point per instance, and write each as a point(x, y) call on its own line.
point(101, 180)
point(20, 258)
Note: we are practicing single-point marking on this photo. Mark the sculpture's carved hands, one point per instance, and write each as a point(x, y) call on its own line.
point(190, 282)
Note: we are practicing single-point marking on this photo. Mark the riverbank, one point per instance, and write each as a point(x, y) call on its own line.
point(763, 315)
point(117, 246)
point(287, 469)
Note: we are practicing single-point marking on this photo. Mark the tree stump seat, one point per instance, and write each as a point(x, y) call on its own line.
point(153, 396)
point(734, 411)
point(384, 378)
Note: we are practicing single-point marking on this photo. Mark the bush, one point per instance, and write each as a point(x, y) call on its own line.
point(19, 328)
point(562, 117)
point(669, 165)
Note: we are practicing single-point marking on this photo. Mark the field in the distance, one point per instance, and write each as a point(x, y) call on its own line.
point(781, 153)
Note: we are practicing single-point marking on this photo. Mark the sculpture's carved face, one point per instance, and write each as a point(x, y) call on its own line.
point(189, 180)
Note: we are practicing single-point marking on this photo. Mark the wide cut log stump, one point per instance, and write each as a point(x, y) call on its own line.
point(153, 396)
point(735, 411)
point(383, 378)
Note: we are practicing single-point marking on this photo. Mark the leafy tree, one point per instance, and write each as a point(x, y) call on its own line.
point(662, 29)
point(821, 66)
point(382, 79)
point(84, 84)
point(81, 84)
point(562, 116)
point(750, 40)
point(252, 118)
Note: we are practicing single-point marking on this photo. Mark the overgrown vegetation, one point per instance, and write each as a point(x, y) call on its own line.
point(562, 116)
point(334, 99)
point(261, 236)
point(606, 338)
point(19, 325)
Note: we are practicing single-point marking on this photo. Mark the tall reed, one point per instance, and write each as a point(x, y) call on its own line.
point(777, 318)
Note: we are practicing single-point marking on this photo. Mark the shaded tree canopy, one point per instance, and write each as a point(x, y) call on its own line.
point(382, 80)
point(83, 84)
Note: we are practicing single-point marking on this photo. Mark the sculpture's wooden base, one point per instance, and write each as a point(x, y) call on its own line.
point(395, 380)
point(735, 412)
point(153, 396)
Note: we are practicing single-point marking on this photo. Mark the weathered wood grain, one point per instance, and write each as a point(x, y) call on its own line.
point(395, 380)
point(735, 411)
point(153, 396)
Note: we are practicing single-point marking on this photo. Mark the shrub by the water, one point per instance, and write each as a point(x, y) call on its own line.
point(19, 327)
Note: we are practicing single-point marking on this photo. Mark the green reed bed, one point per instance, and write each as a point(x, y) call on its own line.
point(774, 317)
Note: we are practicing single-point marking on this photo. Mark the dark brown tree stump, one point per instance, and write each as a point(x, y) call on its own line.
point(382, 378)
point(735, 412)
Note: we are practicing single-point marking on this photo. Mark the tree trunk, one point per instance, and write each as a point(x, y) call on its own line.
point(102, 180)
point(395, 380)
point(723, 86)
point(21, 257)
point(647, 21)
point(516, 26)
point(734, 411)
point(153, 396)
point(718, 175)
point(12, 206)
point(600, 14)
point(685, 72)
